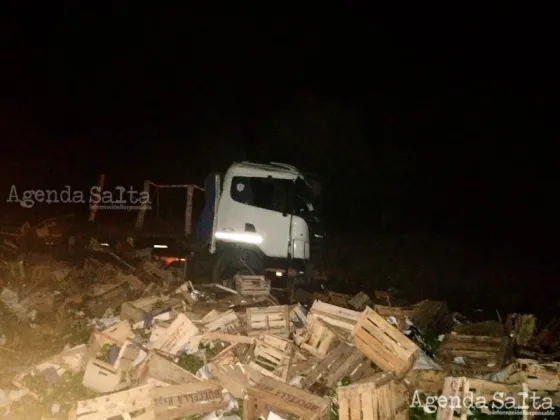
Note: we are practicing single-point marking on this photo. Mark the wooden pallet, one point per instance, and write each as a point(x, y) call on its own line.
point(481, 354)
point(344, 360)
point(271, 395)
point(335, 315)
point(375, 398)
point(270, 320)
point(383, 344)
point(272, 356)
point(360, 301)
point(317, 338)
point(252, 285)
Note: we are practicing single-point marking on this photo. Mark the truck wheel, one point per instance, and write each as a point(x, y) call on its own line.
point(229, 264)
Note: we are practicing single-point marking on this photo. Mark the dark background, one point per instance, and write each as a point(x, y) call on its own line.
point(428, 125)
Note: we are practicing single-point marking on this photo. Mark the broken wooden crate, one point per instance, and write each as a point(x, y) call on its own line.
point(317, 338)
point(538, 376)
point(226, 323)
point(427, 315)
point(144, 308)
point(462, 389)
point(101, 376)
point(156, 366)
point(379, 397)
point(135, 403)
point(252, 285)
point(383, 344)
point(271, 356)
point(285, 400)
point(473, 355)
point(343, 360)
point(360, 301)
point(335, 315)
point(179, 401)
point(272, 320)
point(177, 336)
point(150, 402)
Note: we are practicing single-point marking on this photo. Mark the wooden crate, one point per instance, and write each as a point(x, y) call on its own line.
point(271, 320)
point(317, 338)
point(457, 390)
point(252, 285)
point(338, 299)
point(234, 378)
point(285, 400)
point(538, 376)
point(179, 401)
point(100, 376)
point(344, 360)
point(135, 404)
point(360, 301)
point(158, 367)
point(272, 356)
point(177, 336)
point(117, 335)
point(383, 344)
point(232, 354)
point(150, 402)
point(226, 322)
point(335, 315)
point(481, 354)
point(136, 310)
point(375, 398)
point(427, 315)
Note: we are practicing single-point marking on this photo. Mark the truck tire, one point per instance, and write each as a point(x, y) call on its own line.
point(229, 263)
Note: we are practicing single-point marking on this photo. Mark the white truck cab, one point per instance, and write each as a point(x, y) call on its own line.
point(264, 218)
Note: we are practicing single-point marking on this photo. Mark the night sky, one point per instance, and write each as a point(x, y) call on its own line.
point(443, 126)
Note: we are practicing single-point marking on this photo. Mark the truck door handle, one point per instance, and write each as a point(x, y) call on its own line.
point(249, 227)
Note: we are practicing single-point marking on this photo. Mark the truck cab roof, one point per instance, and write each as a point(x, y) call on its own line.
point(264, 169)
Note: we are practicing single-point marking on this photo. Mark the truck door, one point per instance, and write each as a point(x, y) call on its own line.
point(257, 207)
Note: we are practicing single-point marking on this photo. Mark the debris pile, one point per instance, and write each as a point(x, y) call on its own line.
point(161, 348)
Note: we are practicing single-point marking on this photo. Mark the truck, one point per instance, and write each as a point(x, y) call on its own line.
point(258, 218)
point(261, 217)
